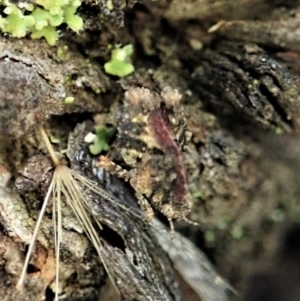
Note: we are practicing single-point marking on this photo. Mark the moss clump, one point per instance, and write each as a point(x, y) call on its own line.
point(120, 62)
point(40, 18)
point(48, 32)
point(69, 99)
point(74, 22)
point(102, 139)
point(16, 23)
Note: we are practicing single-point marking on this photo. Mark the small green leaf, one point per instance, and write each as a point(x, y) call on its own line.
point(120, 63)
point(69, 99)
point(118, 68)
point(16, 23)
point(48, 32)
point(43, 18)
point(75, 22)
point(102, 139)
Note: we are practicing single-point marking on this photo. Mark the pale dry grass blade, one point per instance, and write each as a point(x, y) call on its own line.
point(73, 191)
point(94, 186)
point(36, 229)
point(76, 199)
point(49, 147)
point(67, 185)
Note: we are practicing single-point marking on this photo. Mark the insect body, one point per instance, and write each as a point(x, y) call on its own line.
point(151, 136)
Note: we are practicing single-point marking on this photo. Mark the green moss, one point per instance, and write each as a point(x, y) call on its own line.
point(224, 223)
point(197, 194)
point(69, 99)
point(279, 131)
point(49, 33)
point(16, 23)
point(237, 232)
point(40, 18)
point(54, 139)
point(278, 215)
point(110, 5)
point(120, 63)
point(43, 19)
point(102, 139)
point(2, 22)
point(209, 236)
point(74, 22)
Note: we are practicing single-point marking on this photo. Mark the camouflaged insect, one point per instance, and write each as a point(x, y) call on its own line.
point(151, 136)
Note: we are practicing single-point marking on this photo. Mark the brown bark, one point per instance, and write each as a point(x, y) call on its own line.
point(241, 89)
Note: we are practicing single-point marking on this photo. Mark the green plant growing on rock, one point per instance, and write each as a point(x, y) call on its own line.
point(101, 140)
point(39, 18)
point(120, 62)
point(16, 23)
